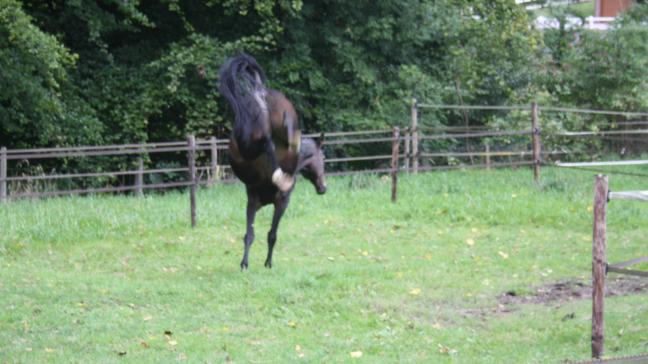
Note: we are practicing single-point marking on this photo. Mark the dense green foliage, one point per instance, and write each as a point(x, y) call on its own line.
point(106, 71)
point(115, 279)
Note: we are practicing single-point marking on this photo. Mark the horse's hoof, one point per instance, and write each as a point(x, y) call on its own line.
point(268, 264)
point(244, 265)
point(282, 180)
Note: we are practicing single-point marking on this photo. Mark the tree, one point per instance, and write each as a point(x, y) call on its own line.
point(35, 84)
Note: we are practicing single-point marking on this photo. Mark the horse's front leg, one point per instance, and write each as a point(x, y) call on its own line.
point(252, 207)
point(279, 209)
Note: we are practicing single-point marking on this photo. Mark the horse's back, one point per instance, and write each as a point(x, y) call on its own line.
point(284, 120)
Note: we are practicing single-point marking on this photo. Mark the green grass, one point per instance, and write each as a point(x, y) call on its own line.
point(119, 279)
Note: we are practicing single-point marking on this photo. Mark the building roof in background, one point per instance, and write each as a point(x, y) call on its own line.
point(605, 12)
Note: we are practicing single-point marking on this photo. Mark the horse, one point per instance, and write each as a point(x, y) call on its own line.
point(266, 148)
point(262, 117)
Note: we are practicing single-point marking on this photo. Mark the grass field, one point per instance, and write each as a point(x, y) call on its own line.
point(356, 279)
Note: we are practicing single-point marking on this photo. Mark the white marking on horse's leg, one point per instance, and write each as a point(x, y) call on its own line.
point(282, 180)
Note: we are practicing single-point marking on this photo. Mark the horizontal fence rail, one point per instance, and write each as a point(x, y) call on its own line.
point(629, 195)
point(603, 163)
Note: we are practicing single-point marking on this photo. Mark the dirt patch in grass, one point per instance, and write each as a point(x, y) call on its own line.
point(574, 290)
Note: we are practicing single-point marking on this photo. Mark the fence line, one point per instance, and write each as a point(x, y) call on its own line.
point(600, 133)
point(348, 133)
point(98, 174)
point(474, 107)
point(591, 111)
point(410, 136)
point(83, 191)
point(477, 135)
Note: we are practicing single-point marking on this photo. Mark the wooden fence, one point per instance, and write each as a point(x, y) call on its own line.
point(600, 267)
point(422, 143)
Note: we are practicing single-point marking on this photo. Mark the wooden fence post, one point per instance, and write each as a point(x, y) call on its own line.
point(139, 177)
point(488, 157)
point(3, 174)
point(394, 162)
point(535, 139)
point(408, 141)
point(191, 140)
point(415, 154)
point(598, 263)
point(213, 175)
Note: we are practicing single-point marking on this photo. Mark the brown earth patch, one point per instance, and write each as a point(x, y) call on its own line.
point(573, 290)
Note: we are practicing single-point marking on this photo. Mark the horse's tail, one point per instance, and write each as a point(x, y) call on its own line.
point(242, 82)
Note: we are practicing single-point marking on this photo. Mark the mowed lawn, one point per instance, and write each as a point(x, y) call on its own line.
point(107, 279)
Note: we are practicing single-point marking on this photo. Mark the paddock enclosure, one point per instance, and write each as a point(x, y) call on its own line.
point(476, 262)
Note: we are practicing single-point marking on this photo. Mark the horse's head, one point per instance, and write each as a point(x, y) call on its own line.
point(311, 163)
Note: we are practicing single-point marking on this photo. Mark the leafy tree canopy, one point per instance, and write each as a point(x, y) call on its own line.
point(106, 71)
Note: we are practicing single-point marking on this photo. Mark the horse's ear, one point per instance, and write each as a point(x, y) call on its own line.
point(320, 140)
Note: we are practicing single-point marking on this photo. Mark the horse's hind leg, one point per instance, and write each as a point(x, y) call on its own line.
point(280, 208)
point(252, 207)
point(281, 179)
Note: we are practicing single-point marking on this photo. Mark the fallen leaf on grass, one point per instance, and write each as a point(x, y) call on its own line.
point(470, 242)
point(144, 344)
point(147, 318)
point(49, 350)
point(437, 326)
point(173, 342)
point(292, 324)
point(446, 350)
point(503, 255)
point(356, 354)
point(415, 292)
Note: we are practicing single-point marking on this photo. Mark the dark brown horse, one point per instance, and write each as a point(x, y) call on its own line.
point(266, 148)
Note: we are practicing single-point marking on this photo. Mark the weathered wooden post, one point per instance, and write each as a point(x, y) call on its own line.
point(139, 177)
point(3, 174)
point(535, 139)
point(414, 127)
point(394, 162)
point(213, 175)
point(408, 141)
point(598, 263)
point(191, 140)
point(488, 157)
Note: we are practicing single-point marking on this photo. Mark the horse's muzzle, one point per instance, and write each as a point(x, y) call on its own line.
point(321, 189)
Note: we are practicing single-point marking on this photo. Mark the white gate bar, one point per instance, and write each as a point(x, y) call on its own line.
point(629, 195)
point(608, 163)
